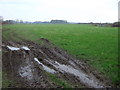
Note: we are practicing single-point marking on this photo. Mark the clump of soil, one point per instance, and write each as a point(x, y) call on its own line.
point(26, 62)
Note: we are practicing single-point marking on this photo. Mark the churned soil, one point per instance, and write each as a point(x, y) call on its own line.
point(26, 62)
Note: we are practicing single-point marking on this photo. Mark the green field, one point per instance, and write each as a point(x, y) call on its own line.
point(96, 45)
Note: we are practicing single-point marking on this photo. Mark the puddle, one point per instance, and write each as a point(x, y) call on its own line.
point(26, 72)
point(45, 67)
point(25, 48)
point(90, 81)
point(13, 48)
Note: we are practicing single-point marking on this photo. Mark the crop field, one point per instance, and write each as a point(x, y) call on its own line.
point(98, 46)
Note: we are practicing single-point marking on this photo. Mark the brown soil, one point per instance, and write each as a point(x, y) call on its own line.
point(21, 66)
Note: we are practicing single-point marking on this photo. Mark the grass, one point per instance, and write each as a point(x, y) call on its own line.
point(0, 78)
point(97, 45)
point(6, 81)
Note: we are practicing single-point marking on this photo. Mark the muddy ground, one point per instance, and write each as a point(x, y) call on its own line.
point(26, 63)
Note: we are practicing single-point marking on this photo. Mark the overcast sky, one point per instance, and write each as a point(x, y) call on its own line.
point(70, 10)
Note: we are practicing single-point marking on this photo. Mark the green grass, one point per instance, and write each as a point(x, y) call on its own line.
point(97, 45)
point(0, 78)
point(6, 81)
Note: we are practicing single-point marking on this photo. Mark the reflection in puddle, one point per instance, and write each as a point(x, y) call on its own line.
point(13, 48)
point(25, 48)
point(83, 77)
point(26, 72)
point(45, 67)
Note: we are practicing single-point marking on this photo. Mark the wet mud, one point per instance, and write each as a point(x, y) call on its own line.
point(27, 61)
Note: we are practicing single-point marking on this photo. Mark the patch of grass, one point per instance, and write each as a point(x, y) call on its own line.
point(0, 79)
point(5, 81)
point(58, 81)
point(97, 45)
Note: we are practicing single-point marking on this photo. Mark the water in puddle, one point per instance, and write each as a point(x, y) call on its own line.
point(25, 48)
point(26, 72)
point(83, 77)
point(45, 67)
point(13, 48)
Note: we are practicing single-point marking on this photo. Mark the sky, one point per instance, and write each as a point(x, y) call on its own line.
point(70, 10)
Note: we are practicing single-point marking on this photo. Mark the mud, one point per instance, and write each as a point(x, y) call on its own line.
point(27, 63)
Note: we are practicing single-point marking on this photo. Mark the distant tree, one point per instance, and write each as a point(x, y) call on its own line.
point(9, 22)
point(21, 21)
point(17, 21)
point(116, 24)
point(59, 21)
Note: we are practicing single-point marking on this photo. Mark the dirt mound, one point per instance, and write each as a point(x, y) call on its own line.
point(27, 63)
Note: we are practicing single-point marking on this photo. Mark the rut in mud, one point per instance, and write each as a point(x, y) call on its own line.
point(27, 61)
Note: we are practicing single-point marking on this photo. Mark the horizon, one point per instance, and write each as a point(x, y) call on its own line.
point(56, 19)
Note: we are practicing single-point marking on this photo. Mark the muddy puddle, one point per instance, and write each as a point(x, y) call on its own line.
point(47, 69)
point(30, 60)
point(13, 48)
point(26, 72)
point(83, 77)
point(16, 48)
point(25, 48)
